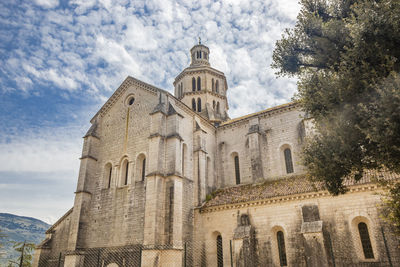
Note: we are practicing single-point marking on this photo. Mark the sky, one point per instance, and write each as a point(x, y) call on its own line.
point(61, 60)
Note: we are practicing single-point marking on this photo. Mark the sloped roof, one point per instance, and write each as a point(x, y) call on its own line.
point(291, 104)
point(284, 187)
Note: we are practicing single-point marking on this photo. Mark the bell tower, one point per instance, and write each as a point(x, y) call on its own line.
point(202, 87)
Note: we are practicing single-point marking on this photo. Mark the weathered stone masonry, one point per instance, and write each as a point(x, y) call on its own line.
point(160, 173)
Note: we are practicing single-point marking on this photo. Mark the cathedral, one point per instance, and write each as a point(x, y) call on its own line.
point(171, 180)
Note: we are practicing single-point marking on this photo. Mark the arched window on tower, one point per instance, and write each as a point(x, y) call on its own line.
point(198, 84)
point(288, 160)
point(220, 252)
point(216, 86)
point(205, 55)
point(212, 85)
point(194, 104)
point(365, 240)
point(213, 104)
point(181, 89)
point(198, 104)
point(281, 248)
point(193, 84)
point(218, 111)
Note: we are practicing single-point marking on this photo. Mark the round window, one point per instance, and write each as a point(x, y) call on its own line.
point(131, 101)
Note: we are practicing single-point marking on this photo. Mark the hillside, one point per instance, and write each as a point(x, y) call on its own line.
point(19, 228)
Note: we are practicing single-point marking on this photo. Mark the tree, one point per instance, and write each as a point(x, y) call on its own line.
point(346, 56)
point(26, 250)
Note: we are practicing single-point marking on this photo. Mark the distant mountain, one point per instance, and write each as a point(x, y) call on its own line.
point(19, 228)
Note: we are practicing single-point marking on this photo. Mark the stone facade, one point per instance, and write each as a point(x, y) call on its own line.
point(160, 173)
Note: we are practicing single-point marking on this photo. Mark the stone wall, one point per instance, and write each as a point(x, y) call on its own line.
point(331, 236)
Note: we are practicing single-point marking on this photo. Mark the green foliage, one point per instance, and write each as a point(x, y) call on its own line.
point(346, 55)
point(25, 250)
point(391, 207)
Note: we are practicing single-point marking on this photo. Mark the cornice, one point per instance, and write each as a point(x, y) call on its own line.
point(203, 69)
point(261, 114)
point(286, 198)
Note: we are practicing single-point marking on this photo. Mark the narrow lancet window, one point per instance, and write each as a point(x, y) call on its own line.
point(198, 84)
point(199, 105)
point(288, 160)
point(126, 173)
point(143, 169)
point(194, 104)
point(281, 248)
point(217, 86)
point(109, 177)
point(365, 241)
point(220, 252)
point(212, 85)
point(237, 170)
point(193, 84)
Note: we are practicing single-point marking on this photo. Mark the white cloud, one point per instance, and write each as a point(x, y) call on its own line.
point(47, 3)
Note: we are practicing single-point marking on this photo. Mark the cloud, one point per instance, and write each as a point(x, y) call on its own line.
point(67, 57)
point(47, 3)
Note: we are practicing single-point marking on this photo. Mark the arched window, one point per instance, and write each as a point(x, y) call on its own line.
point(212, 85)
point(365, 240)
point(281, 248)
point(143, 169)
point(205, 55)
point(198, 84)
point(220, 252)
point(107, 175)
point(125, 172)
point(181, 89)
point(218, 108)
point(198, 105)
point(217, 86)
point(288, 160)
point(194, 104)
point(193, 84)
point(213, 104)
point(237, 170)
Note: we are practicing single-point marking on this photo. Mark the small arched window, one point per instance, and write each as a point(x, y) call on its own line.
point(198, 105)
point(281, 248)
point(213, 104)
point(288, 160)
point(237, 170)
point(220, 252)
point(218, 108)
point(143, 169)
point(217, 86)
point(194, 104)
point(193, 84)
point(107, 175)
point(205, 55)
point(365, 240)
point(125, 172)
point(198, 84)
point(212, 85)
point(181, 89)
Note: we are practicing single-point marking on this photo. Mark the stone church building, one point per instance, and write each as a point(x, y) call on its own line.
point(171, 180)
